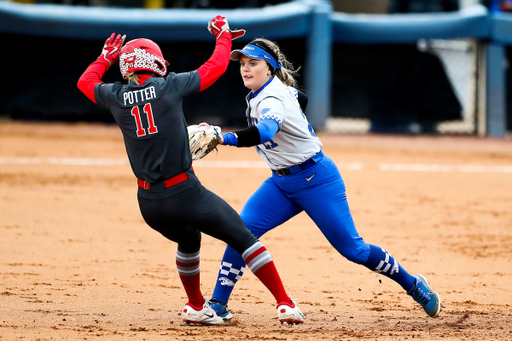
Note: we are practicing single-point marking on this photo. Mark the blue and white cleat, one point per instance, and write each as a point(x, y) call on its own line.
point(222, 310)
point(425, 296)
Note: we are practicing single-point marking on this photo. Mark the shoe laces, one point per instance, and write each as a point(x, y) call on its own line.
point(292, 302)
point(207, 303)
point(296, 307)
point(420, 295)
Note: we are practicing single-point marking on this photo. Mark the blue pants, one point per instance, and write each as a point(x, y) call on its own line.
point(323, 198)
point(320, 192)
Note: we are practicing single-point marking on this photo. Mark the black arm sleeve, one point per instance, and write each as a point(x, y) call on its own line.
point(248, 137)
point(303, 101)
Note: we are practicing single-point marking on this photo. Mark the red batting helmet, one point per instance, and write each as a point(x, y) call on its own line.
point(142, 55)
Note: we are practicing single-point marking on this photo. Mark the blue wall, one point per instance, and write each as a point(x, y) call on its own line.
point(311, 20)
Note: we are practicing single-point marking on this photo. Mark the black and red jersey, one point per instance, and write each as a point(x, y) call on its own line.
point(150, 114)
point(152, 121)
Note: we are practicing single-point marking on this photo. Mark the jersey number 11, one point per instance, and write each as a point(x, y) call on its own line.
point(151, 121)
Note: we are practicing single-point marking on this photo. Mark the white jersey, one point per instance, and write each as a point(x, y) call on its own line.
point(295, 141)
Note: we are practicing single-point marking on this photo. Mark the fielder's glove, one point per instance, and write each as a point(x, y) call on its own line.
point(112, 48)
point(219, 25)
point(203, 139)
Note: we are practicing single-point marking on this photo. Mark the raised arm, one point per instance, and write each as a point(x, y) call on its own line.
point(210, 71)
point(93, 74)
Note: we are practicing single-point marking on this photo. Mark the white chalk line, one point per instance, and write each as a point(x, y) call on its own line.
point(444, 168)
point(62, 161)
point(394, 167)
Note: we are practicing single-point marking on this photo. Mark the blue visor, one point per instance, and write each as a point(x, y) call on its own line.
point(254, 52)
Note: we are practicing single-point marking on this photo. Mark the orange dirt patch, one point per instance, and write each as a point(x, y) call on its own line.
point(77, 261)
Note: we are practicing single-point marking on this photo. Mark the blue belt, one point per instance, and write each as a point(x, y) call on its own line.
point(301, 167)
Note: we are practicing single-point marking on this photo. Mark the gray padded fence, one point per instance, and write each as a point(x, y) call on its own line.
point(470, 45)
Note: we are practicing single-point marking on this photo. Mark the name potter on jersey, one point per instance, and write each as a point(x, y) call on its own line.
point(131, 97)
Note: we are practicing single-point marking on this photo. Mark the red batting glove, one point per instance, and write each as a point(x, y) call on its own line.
point(112, 48)
point(219, 25)
point(237, 33)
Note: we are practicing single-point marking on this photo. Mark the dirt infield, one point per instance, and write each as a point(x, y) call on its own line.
point(77, 261)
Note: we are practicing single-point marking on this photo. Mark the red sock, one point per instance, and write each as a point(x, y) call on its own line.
point(268, 275)
point(193, 290)
point(260, 262)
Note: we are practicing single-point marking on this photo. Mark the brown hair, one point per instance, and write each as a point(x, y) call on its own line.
point(133, 77)
point(286, 73)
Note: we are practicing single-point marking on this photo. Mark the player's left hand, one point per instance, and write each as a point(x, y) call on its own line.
point(219, 25)
point(203, 139)
point(112, 48)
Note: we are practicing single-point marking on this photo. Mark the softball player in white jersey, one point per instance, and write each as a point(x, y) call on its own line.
point(303, 178)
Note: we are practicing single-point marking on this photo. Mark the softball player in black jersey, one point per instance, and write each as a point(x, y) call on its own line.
point(148, 110)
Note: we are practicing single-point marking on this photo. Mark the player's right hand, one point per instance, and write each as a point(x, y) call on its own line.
point(219, 25)
point(112, 48)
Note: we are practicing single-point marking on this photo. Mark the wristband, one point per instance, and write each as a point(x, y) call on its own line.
point(230, 139)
